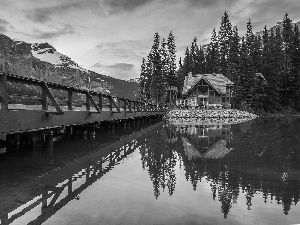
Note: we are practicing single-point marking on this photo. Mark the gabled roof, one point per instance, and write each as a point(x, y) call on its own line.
point(216, 81)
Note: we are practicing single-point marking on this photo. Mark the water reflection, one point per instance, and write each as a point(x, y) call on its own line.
point(54, 197)
point(247, 166)
point(240, 161)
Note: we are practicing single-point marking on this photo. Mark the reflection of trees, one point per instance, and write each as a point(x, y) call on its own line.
point(159, 159)
point(265, 159)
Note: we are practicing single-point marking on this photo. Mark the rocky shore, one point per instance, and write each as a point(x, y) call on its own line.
point(202, 116)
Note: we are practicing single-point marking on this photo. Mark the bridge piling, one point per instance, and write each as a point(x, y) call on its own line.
point(68, 130)
point(12, 142)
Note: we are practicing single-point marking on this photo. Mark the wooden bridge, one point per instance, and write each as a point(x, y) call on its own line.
point(59, 105)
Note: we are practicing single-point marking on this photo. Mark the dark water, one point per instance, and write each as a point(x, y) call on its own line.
point(246, 173)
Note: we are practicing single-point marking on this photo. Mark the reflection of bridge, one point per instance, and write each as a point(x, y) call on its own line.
point(54, 105)
point(54, 198)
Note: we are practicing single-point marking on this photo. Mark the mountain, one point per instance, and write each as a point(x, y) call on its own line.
point(42, 61)
point(280, 25)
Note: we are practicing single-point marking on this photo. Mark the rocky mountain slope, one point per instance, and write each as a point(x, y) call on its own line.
point(42, 61)
point(280, 25)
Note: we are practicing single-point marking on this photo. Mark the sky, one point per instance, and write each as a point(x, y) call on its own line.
point(112, 37)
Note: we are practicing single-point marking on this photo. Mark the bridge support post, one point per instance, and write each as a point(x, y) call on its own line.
point(112, 128)
point(12, 142)
point(91, 132)
point(48, 145)
point(3, 92)
point(129, 123)
point(25, 141)
point(68, 130)
point(80, 130)
point(36, 140)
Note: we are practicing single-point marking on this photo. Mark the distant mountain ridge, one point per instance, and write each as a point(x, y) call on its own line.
point(42, 61)
point(280, 25)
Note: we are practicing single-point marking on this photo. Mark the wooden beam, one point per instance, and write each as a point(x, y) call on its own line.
point(3, 91)
point(94, 103)
point(51, 97)
point(129, 105)
point(116, 105)
point(110, 103)
point(87, 102)
point(124, 106)
point(70, 93)
point(100, 101)
point(23, 80)
point(44, 97)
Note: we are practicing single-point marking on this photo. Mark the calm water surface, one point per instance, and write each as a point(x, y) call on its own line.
point(247, 173)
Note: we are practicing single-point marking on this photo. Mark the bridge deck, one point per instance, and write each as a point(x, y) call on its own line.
point(14, 121)
point(56, 111)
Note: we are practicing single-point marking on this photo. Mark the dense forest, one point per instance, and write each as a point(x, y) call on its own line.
point(264, 67)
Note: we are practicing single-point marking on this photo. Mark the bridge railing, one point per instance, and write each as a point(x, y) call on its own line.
point(94, 102)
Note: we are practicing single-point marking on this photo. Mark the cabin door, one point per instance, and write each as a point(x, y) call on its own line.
point(202, 102)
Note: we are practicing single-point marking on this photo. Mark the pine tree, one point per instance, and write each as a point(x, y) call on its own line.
point(225, 33)
point(201, 61)
point(272, 68)
point(197, 58)
point(165, 66)
point(250, 44)
point(186, 66)
point(158, 84)
point(295, 67)
point(257, 54)
point(253, 53)
point(193, 56)
point(287, 36)
point(172, 60)
point(233, 56)
point(212, 54)
point(144, 86)
point(246, 80)
point(180, 78)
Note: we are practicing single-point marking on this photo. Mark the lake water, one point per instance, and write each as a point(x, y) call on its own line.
point(247, 173)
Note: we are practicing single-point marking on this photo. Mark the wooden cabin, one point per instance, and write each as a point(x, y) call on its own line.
point(205, 90)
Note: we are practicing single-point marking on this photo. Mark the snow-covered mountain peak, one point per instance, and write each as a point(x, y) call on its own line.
point(47, 53)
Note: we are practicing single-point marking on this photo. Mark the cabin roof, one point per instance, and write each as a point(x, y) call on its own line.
point(217, 151)
point(216, 81)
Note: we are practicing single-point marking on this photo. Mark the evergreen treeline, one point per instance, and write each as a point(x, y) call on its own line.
point(159, 71)
point(265, 69)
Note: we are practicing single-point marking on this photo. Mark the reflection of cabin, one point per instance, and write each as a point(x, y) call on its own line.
point(207, 141)
point(205, 89)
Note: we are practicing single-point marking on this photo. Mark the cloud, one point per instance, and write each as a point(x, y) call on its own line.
point(209, 3)
point(121, 70)
point(124, 49)
point(3, 25)
point(67, 29)
point(98, 64)
point(117, 6)
point(43, 15)
point(117, 70)
point(121, 66)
